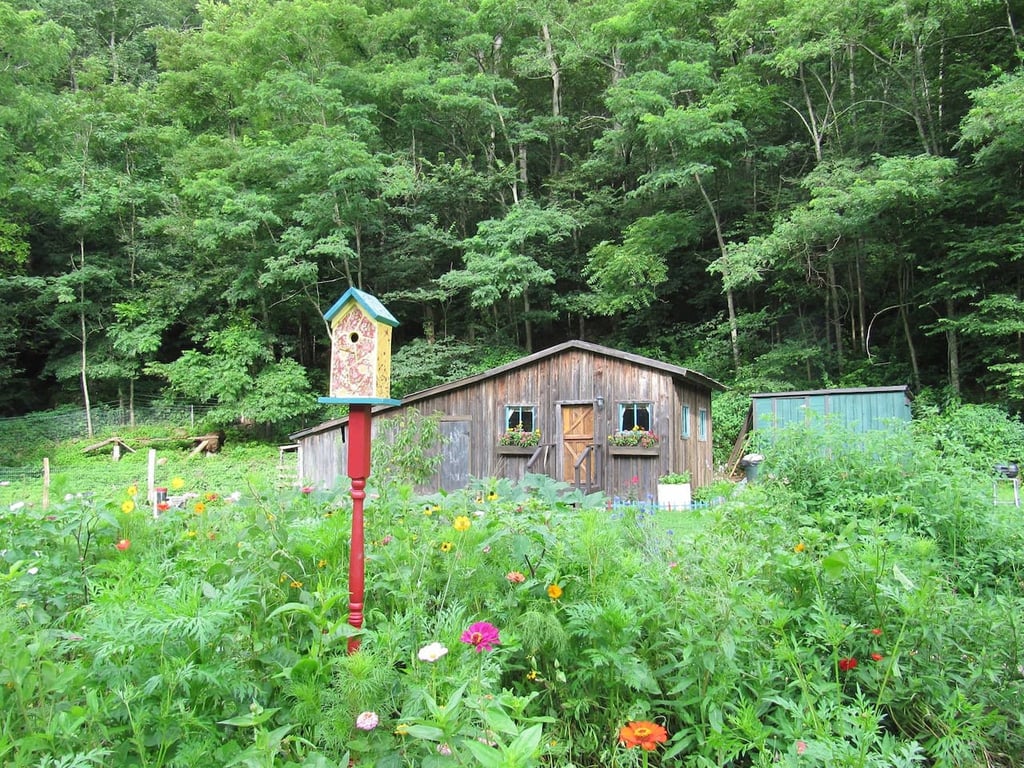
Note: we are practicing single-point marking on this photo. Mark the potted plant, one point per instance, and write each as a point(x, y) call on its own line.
point(634, 442)
point(518, 440)
point(674, 490)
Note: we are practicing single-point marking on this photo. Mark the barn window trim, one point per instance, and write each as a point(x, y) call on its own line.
point(636, 414)
point(684, 423)
point(702, 424)
point(521, 416)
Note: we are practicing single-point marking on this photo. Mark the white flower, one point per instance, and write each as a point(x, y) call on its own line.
point(444, 749)
point(367, 721)
point(33, 571)
point(17, 505)
point(432, 652)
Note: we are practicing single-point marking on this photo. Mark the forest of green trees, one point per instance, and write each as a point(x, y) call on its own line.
point(779, 194)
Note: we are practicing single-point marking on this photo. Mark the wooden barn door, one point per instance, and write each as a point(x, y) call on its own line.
point(577, 434)
point(454, 468)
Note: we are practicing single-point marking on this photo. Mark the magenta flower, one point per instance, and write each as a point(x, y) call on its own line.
point(481, 635)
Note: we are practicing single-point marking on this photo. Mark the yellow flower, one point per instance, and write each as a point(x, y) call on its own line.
point(133, 490)
point(800, 547)
point(532, 675)
point(296, 584)
point(321, 563)
point(446, 546)
point(402, 729)
point(128, 507)
point(492, 496)
point(428, 511)
point(177, 484)
point(191, 534)
point(554, 591)
point(461, 523)
point(199, 507)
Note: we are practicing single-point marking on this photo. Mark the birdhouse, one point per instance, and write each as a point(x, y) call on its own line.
point(360, 350)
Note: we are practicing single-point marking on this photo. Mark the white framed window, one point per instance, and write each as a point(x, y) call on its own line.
point(635, 416)
point(684, 423)
point(522, 417)
point(702, 424)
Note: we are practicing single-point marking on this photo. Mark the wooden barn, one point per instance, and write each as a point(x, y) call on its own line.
point(595, 417)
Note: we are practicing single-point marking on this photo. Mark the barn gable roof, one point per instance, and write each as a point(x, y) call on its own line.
point(676, 372)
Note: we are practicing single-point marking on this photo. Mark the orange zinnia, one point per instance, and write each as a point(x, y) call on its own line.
point(643, 734)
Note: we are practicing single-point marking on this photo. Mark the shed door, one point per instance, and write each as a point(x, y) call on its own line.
point(455, 454)
point(577, 434)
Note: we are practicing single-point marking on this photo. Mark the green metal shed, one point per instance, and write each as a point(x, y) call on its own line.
point(861, 409)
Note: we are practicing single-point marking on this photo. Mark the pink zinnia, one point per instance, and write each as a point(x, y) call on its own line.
point(367, 721)
point(801, 747)
point(515, 577)
point(481, 635)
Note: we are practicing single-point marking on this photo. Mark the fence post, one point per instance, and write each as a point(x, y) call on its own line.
point(46, 483)
point(151, 476)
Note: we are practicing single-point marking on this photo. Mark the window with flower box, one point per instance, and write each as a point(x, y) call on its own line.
point(521, 434)
point(634, 435)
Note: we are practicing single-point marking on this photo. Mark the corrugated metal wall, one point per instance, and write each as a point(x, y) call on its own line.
point(857, 410)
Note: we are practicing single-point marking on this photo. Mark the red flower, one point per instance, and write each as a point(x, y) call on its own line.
point(481, 635)
point(876, 631)
point(877, 657)
point(123, 544)
point(847, 664)
point(643, 734)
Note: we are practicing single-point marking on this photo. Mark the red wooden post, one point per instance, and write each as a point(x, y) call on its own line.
point(358, 470)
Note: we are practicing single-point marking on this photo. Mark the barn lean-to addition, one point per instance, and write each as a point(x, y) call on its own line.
point(576, 394)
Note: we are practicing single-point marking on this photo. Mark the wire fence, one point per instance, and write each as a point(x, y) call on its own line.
point(67, 423)
point(70, 423)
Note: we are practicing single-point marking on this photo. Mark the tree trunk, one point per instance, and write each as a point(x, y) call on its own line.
point(730, 298)
point(84, 340)
point(527, 324)
point(908, 332)
point(556, 93)
point(952, 348)
point(837, 320)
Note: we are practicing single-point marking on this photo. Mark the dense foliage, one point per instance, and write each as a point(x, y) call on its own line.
point(822, 192)
point(859, 606)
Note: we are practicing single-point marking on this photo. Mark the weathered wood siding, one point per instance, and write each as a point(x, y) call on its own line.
point(474, 418)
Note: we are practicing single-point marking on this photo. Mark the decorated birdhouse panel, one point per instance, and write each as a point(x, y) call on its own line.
point(355, 353)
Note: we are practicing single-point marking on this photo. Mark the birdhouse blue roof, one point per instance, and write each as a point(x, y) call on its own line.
point(370, 304)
